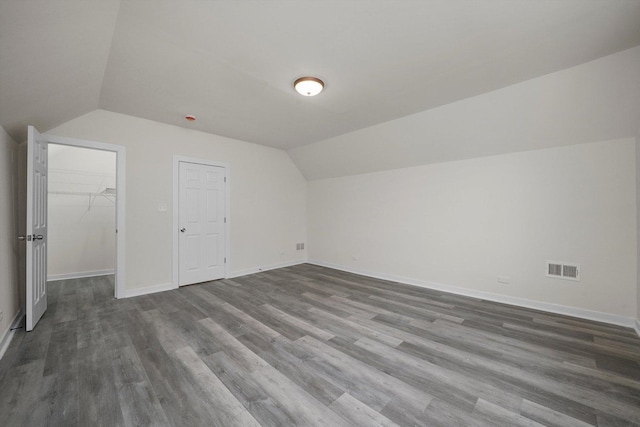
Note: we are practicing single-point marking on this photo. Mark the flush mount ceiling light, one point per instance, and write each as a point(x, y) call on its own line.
point(308, 86)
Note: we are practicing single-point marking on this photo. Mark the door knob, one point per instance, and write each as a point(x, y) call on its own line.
point(22, 237)
point(38, 237)
point(182, 230)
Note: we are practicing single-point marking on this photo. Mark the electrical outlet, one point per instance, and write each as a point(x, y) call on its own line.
point(503, 279)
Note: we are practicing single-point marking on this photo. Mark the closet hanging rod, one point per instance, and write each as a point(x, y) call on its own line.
point(82, 193)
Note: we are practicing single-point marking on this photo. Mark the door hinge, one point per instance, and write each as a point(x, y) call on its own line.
point(225, 179)
point(225, 219)
point(225, 260)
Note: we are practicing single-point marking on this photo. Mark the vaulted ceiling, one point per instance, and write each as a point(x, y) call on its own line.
point(232, 63)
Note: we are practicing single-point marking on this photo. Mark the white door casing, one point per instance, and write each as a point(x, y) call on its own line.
point(121, 154)
point(36, 238)
point(201, 219)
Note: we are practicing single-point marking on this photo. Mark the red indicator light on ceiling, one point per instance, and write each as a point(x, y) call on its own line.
point(190, 118)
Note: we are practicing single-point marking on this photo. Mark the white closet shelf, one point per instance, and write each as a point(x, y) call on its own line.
point(108, 193)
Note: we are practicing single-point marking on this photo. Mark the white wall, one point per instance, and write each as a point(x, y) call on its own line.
point(268, 193)
point(81, 230)
point(464, 223)
point(9, 290)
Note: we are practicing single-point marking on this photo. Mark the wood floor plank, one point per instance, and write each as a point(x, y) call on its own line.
point(329, 305)
point(548, 417)
point(247, 391)
point(359, 414)
point(140, 406)
point(34, 345)
point(500, 344)
point(361, 373)
point(579, 342)
point(498, 415)
point(234, 348)
point(444, 414)
point(98, 402)
point(297, 323)
point(250, 323)
point(305, 410)
point(25, 381)
point(64, 352)
point(550, 367)
point(439, 377)
point(229, 411)
point(296, 363)
point(66, 308)
point(307, 345)
point(173, 390)
point(348, 328)
point(576, 393)
point(169, 336)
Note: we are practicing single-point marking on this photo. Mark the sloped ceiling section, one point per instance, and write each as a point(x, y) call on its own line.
point(595, 101)
point(53, 54)
point(232, 63)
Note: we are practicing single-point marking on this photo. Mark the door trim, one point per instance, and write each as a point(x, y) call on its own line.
point(121, 155)
point(176, 213)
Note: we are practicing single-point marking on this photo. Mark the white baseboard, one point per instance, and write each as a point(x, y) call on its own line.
point(79, 275)
point(265, 268)
point(505, 299)
point(149, 290)
point(7, 336)
point(169, 286)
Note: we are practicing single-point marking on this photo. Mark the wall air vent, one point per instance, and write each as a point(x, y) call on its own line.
point(563, 270)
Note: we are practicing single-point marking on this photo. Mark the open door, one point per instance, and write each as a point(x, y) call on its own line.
point(36, 238)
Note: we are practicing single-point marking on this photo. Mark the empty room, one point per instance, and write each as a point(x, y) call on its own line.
point(319, 213)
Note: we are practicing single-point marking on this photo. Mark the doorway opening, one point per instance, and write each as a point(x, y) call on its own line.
point(81, 212)
point(36, 235)
point(86, 211)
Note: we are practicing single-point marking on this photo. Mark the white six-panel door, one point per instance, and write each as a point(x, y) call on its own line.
point(202, 223)
point(36, 277)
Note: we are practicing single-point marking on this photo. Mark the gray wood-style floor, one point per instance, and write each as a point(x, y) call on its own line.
point(309, 346)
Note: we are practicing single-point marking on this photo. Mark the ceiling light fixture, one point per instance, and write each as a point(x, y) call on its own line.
point(190, 118)
point(308, 86)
